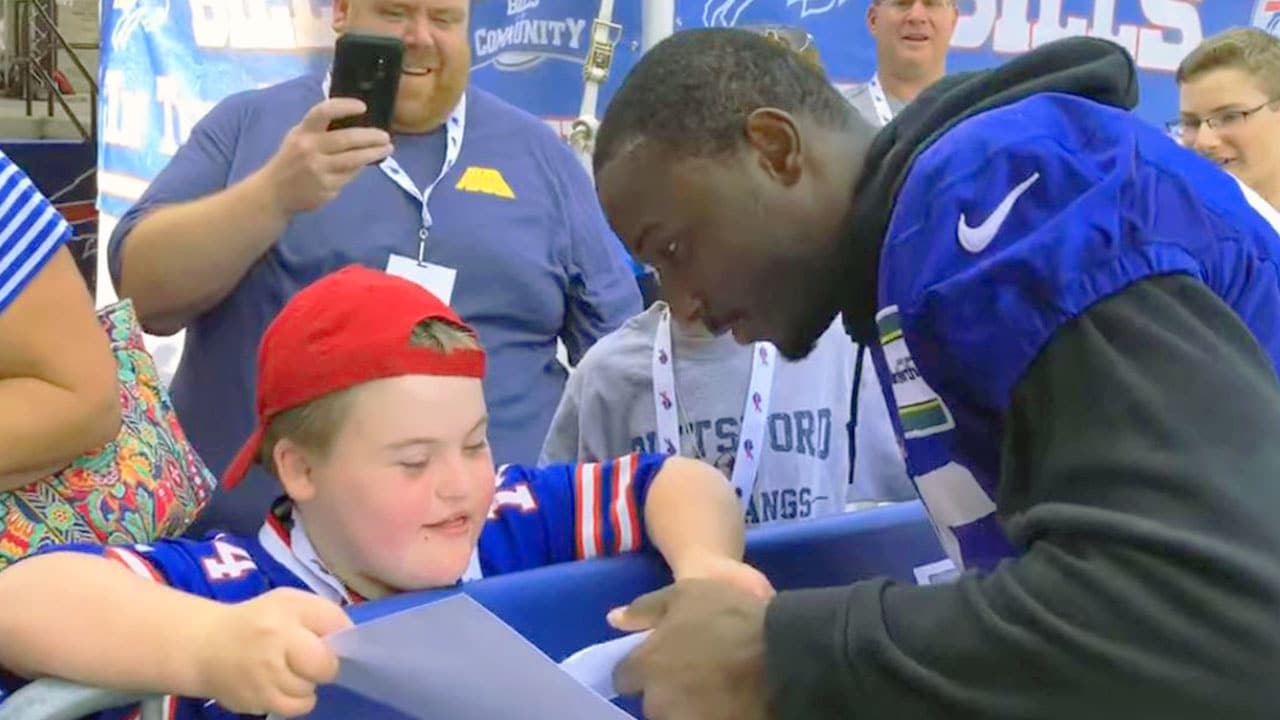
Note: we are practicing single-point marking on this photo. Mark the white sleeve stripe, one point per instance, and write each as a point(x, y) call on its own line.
point(624, 530)
point(19, 275)
point(17, 187)
point(31, 230)
point(588, 502)
point(13, 222)
point(134, 562)
point(49, 226)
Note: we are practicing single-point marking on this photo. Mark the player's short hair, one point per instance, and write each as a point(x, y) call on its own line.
point(1254, 51)
point(693, 91)
point(313, 425)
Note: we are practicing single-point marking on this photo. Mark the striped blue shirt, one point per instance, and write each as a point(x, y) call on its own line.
point(31, 231)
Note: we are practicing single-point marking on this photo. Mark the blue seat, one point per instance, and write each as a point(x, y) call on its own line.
point(562, 608)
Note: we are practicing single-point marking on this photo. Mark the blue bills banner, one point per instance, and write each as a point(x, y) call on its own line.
point(530, 52)
point(1158, 33)
point(166, 62)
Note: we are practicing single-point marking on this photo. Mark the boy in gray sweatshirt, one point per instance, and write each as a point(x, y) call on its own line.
point(779, 430)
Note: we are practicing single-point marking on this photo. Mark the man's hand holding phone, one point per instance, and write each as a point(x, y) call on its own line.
point(314, 163)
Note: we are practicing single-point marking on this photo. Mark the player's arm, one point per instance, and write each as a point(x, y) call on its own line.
point(1144, 442)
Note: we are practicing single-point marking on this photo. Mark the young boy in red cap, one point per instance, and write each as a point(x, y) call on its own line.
point(371, 414)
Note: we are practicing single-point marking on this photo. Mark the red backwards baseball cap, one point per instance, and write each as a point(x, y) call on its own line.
point(345, 329)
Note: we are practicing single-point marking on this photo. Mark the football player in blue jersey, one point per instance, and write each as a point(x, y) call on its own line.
point(372, 417)
point(1077, 322)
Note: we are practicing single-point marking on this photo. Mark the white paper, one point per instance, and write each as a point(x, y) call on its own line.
point(437, 279)
point(937, 573)
point(454, 660)
point(593, 666)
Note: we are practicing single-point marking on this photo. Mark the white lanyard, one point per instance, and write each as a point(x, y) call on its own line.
point(299, 557)
point(755, 411)
point(880, 100)
point(455, 127)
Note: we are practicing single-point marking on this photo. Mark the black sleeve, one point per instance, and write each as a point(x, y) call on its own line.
point(1141, 478)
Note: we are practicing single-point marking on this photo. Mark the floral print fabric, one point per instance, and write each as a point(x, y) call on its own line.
point(146, 484)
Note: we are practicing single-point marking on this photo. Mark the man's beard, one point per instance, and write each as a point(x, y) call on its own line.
point(810, 314)
point(426, 109)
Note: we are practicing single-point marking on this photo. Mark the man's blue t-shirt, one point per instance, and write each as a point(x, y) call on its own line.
point(1012, 224)
point(516, 215)
point(540, 516)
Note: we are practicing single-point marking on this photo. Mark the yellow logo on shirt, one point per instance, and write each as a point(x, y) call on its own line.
point(485, 180)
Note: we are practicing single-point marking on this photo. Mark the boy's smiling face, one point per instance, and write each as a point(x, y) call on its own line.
point(400, 498)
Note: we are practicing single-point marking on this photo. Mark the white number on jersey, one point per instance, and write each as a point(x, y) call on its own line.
point(230, 562)
point(518, 497)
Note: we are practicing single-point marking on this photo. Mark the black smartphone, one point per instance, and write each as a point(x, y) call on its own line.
point(367, 67)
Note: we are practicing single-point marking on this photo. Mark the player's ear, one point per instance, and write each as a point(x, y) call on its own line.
point(776, 138)
point(294, 469)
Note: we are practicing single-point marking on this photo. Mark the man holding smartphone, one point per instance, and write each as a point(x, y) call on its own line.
point(264, 198)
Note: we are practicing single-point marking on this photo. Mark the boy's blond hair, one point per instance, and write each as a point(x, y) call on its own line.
point(1254, 51)
point(313, 425)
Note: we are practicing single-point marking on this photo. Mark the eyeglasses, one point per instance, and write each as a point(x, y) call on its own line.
point(793, 38)
point(904, 6)
point(1186, 128)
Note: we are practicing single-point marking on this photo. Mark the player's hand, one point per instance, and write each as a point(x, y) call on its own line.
point(267, 655)
point(314, 163)
point(706, 657)
point(727, 570)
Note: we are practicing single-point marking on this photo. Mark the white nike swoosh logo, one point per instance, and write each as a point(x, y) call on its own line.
point(976, 239)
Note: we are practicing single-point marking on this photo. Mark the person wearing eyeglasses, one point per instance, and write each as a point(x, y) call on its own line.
point(1229, 106)
point(912, 37)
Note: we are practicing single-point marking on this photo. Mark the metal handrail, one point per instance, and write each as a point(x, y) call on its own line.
point(54, 94)
point(46, 75)
point(54, 699)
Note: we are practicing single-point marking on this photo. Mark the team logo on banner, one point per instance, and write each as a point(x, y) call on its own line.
point(724, 13)
point(148, 15)
point(1266, 15)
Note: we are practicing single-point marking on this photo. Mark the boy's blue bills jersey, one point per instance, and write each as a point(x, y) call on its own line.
point(1013, 223)
point(549, 515)
point(539, 516)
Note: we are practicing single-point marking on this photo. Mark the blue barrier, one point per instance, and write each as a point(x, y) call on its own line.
point(561, 609)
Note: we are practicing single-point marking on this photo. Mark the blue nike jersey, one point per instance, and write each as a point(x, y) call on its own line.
point(539, 516)
point(1011, 224)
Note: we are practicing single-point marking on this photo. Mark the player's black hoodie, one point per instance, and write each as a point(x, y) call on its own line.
point(1113, 624)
